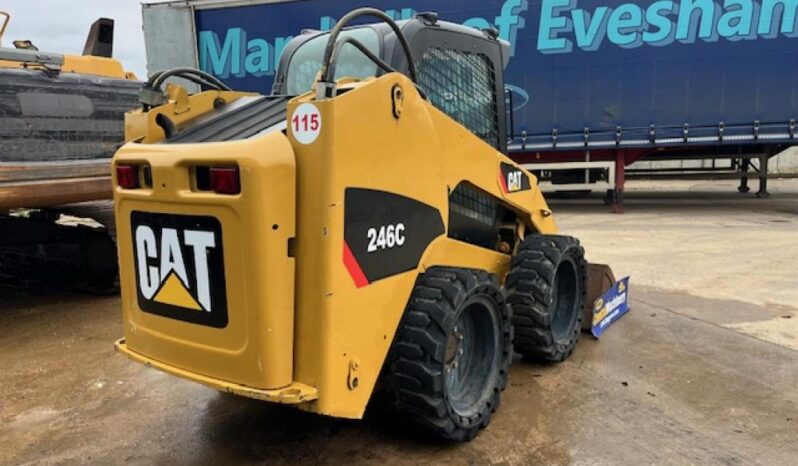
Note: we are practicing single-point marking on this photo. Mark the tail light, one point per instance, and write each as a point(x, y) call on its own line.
point(134, 176)
point(127, 176)
point(225, 180)
point(221, 180)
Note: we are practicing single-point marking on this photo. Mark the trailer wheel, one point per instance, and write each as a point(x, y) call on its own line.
point(451, 354)
point(546, 288)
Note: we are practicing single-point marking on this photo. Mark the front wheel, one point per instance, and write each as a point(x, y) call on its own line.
point(546, 288)
point(452, 351)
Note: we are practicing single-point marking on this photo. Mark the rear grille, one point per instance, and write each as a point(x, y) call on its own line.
point(474, 204)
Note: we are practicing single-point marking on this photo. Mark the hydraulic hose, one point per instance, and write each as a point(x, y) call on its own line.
point(328, 64)
point(157, 79)
point(152, 95)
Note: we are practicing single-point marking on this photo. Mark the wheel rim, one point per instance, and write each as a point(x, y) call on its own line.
point(473, 354)
point(566, 290)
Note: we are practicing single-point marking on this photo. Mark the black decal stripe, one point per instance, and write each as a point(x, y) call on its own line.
point(369, 208)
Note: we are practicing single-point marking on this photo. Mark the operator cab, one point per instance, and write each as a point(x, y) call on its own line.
point(459, 68)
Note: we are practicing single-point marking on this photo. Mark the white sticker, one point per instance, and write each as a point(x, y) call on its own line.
point(306, 123)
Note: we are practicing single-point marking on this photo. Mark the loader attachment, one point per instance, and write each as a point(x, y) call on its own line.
point(605, 295)
point(599, 279)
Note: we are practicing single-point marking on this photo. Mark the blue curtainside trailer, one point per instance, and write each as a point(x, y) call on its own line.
point(596, 84)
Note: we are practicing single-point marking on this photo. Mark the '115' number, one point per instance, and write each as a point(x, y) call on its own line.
point(306, 122)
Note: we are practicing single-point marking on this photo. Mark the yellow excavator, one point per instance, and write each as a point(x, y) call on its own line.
point(361, 230)
point(63, 119)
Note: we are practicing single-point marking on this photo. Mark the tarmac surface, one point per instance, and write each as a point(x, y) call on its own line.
point(703, 370)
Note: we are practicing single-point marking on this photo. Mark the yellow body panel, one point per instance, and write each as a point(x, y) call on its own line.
point(419, 155)
point(255, 348)
point(81, 64)
point(312, 326)
point(293, 394)
point(97, 66)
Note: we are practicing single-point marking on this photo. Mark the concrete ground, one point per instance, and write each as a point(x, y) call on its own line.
point(703, 370)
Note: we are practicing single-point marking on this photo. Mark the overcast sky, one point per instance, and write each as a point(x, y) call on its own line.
point(62, 26)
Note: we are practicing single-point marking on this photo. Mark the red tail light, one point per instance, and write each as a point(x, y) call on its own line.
point(225, 180)
point(127, 176)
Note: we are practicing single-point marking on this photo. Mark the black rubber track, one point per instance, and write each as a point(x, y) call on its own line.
point(414, 373)
point(530, 292)
point(49, 117)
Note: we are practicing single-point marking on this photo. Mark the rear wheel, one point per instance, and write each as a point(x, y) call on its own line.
point(451, 354)
point(546, 289)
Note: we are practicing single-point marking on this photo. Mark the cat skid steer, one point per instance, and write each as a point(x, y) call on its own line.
point(365, 235)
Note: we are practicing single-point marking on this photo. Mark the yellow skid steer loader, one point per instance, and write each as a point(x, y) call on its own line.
point(360, 229)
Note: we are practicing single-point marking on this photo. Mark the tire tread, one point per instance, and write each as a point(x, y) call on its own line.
point(529, 290)
point(414, 376)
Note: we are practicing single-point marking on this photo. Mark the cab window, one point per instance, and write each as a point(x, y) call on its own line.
point(305, 63)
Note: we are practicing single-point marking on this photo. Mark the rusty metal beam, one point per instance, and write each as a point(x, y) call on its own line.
point(37, 194)
point(44, 184)
point(13, 172)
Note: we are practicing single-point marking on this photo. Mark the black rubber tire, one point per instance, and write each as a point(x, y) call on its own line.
point(418, 375)
point(546, 288)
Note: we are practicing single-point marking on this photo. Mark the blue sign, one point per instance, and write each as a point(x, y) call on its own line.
point(576, 64)
point(610, 306)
